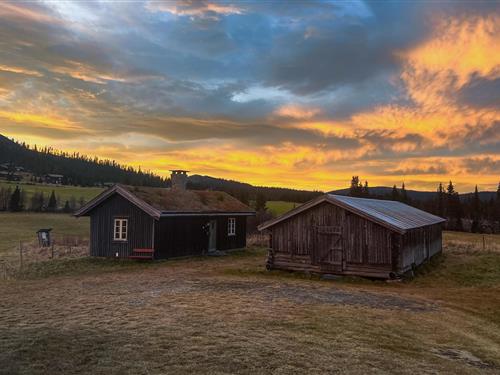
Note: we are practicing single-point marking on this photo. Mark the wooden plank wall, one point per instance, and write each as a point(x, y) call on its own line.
point(367, 247)
point(238, 241)
point(419, 245)
point(140, 228)
point(183, 236)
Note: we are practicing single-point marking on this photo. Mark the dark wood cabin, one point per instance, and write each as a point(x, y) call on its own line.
point(353, 236)
point(159, 223)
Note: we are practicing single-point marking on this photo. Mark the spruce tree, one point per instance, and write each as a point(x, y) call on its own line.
point(476, 212)
point(356, 188)
point(67, 208)
point(15, 200)
point(440, 200)
point(395, 193)
point(404, 196)
point(366, 192)
point(52, 205)
point(260, 202)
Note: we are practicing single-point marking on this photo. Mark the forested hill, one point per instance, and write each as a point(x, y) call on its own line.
point(415, 195)
point(246, 192)
point(77, 169)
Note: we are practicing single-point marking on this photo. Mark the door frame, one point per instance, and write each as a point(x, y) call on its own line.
point(212, 235)
point(336, 247)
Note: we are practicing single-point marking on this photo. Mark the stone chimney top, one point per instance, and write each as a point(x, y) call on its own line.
point(179, 179)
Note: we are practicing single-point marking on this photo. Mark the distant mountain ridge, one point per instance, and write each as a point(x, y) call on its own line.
point(82, 170)
point(422, 196)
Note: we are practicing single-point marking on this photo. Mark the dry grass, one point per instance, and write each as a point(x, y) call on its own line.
point(226, 315)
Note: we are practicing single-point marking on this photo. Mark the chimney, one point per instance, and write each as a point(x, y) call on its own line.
point(179, 179)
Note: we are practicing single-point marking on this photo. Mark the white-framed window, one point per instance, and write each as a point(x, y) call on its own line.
point(120, 230)
point(231, 226)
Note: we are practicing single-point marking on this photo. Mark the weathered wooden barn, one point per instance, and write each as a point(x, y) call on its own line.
point(158, 223)
point(353, 236)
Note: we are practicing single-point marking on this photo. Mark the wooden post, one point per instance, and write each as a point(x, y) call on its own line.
point(52, 251)
point(20, 255)
point(484, 243)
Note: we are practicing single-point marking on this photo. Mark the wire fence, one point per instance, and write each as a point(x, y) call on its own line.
point(30, 252)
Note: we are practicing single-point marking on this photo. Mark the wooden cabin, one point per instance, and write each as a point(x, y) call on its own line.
point(343, 235)
point(159, 223)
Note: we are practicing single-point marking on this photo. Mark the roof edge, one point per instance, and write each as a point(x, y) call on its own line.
point(295, 211)
point(330, 198)
point(93, 203)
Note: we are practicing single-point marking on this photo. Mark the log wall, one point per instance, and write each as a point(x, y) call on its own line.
point(328, 239)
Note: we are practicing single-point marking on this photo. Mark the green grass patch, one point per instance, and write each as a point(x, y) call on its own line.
point(281, 207)
point(63, 193)
point(464, 270)
point(22, 226)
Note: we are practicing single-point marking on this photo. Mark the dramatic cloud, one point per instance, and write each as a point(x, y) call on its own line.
point(300, 94)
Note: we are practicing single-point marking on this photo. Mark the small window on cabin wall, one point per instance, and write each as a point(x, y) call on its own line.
point(231, 226)
point(120, 232)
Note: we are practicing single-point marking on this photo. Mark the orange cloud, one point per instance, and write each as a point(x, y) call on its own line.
point(297, 111)
point(41, 120)
point(193, 9)
point(19, 70)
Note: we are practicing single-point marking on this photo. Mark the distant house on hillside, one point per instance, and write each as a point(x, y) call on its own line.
point(158, 223)
point(353, 236)
point(10, 176)
point(53, 178)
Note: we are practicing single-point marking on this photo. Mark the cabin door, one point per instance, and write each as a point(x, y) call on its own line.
point(328, 250)
point(212, 235)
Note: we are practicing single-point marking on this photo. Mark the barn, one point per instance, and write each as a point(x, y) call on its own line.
point(158, 223)
point(343, 235)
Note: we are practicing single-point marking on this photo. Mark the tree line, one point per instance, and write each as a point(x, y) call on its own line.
point(469, 214)
point(15, 200)
point(77, 169)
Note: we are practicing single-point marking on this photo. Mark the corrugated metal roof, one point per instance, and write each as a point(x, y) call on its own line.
point(394, 214)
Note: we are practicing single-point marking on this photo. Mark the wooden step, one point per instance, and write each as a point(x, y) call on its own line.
point(149, 251)
point(149, 257)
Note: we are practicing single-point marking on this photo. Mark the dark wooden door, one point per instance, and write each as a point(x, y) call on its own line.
point(212, 235)
point(328, 250)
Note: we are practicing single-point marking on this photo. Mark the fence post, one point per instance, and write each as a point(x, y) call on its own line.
point(52, 251)
point(484, 243)
point(20, 255)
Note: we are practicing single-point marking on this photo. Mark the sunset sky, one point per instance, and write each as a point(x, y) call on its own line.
point(298, 94)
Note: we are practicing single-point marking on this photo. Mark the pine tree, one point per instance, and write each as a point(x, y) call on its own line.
point(395, 193)
point(15, 200)
point(356, 188)
point(67, 208)
point(52, 205)
point(366, 192)
point(260, 202)
point(476, 212)
point(404, 196)
point(440, 200)
point(496, 214)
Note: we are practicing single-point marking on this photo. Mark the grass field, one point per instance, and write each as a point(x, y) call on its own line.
point(15, 227)
point(228, 315)
point(280, 207)
point(64, 193)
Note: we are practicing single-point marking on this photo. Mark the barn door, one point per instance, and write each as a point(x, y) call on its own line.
point(328, 249)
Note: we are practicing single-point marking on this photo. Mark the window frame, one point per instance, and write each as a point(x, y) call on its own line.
point(231, 226)
point(122, 234)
